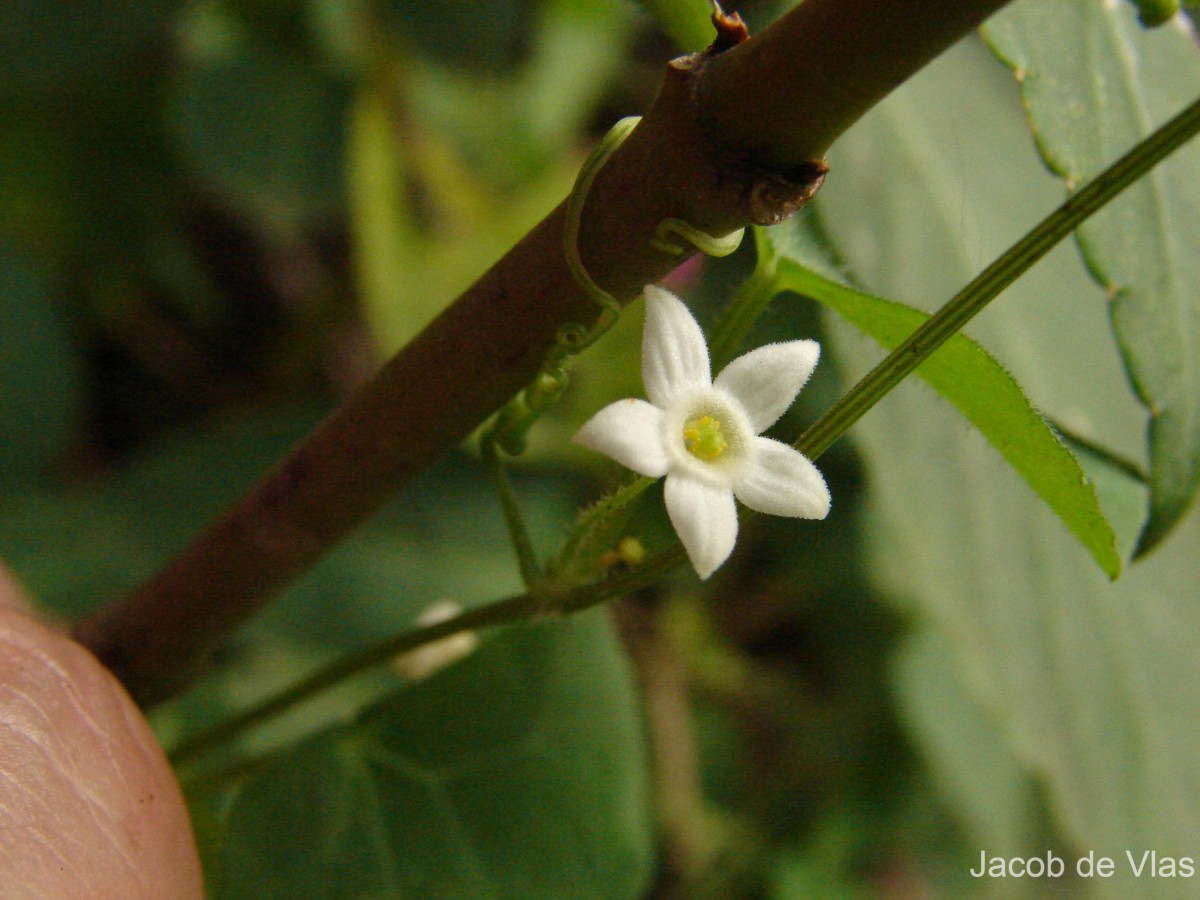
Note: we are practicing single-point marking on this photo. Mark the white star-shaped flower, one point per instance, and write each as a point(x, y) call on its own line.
point(704, 435)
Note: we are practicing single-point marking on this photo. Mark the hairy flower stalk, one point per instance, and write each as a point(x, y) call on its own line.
point(704, 435)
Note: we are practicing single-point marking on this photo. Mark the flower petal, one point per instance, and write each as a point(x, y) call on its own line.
point(781, 481)
point(705, 518)
point(674, 354)
point(630, 431)
point(767, 380)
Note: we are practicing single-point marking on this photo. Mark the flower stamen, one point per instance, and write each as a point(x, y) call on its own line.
point(703, 438)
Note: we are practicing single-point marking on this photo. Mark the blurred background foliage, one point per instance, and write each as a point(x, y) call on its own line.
point(218, 217)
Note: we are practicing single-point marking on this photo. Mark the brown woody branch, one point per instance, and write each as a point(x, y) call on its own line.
point(735, 137)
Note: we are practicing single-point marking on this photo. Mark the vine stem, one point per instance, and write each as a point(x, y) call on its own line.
point(873, 387)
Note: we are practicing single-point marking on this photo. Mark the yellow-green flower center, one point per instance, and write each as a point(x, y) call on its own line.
point(703, 438)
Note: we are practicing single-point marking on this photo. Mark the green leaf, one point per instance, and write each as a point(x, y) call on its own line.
point(518, 772)
point(688, 22)
point(977, 771)
point(40, 389)
point(264, 130)
point(1087, 679)
point(39, 201)
point(78, 545)
point(509, 130)
point(1120, 487)
point(966, 375)
point(1094, 83)
point(444, 537)
point(488, 158)
point(488, 37)
point(579, 50)
point(821, 868)
point(52, 45)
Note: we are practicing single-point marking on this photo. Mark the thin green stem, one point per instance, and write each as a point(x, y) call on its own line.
point(986, 286)
point(739, 316)
point(502, 612)
point(510, 609)
point(518, 534)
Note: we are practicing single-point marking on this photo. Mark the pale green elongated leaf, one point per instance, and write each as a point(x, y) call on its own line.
point(970, 378)
point(1090, 682)
point(1094, 83)
point(518, 772)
